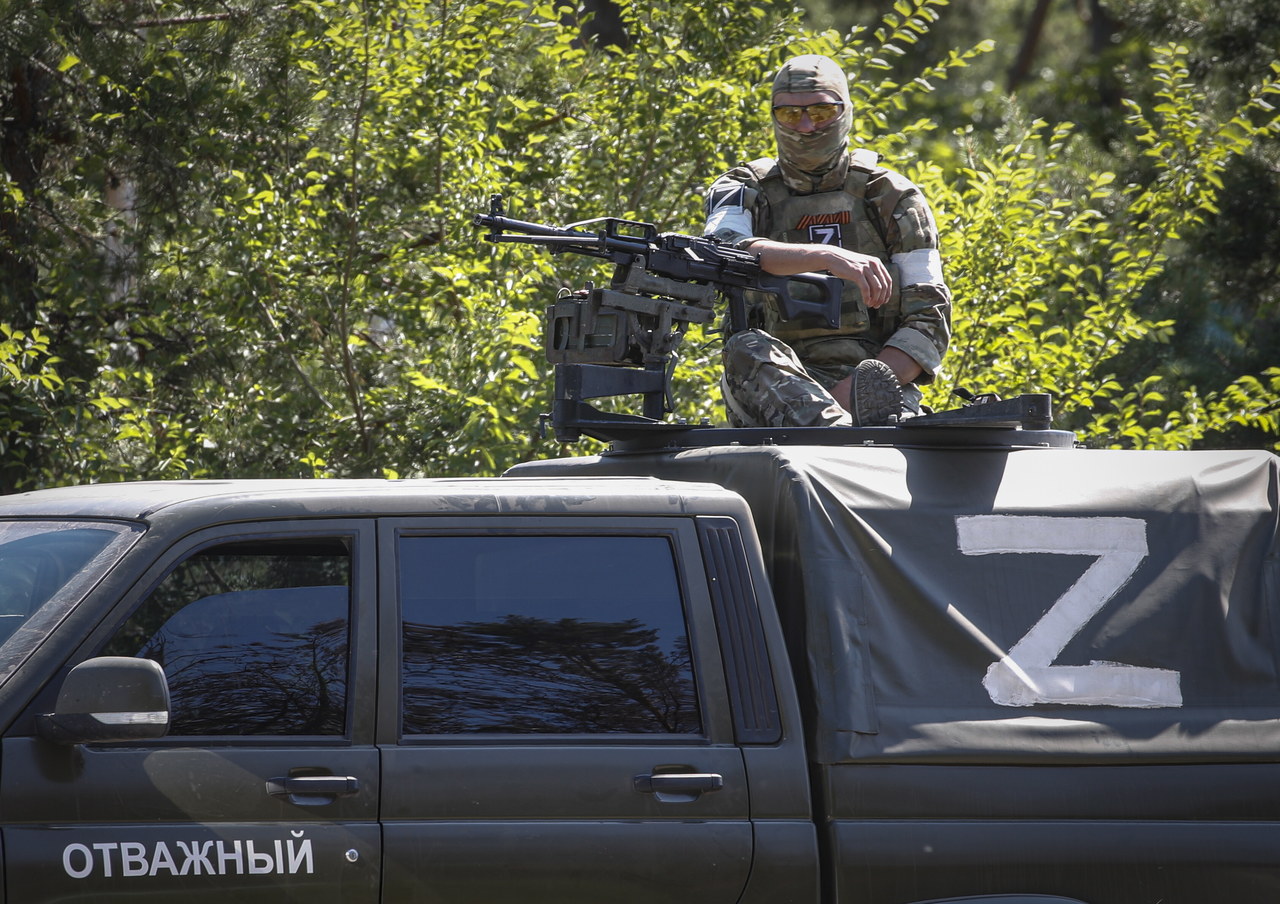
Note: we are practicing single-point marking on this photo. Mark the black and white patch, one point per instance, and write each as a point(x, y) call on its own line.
point(720, 197)
point(826, 234)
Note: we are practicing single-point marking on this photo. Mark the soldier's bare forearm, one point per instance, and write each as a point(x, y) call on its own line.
point(868, 273)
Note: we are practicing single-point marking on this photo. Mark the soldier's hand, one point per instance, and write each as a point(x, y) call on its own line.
point(868, 273)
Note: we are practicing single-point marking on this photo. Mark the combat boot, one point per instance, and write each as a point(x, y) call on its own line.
point(875, 396)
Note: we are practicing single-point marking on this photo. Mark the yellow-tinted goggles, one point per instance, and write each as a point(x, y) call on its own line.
point(819, 114)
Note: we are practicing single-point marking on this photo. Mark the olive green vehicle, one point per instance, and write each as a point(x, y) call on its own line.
point(952, 660)
point(363, 691)
point(719, 673)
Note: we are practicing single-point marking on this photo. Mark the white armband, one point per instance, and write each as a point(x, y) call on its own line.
point(727, 213)
point(734, 220)
point(924, 265)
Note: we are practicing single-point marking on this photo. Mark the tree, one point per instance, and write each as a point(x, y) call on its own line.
point(304, 290)
point(1055, 281)
point(237, 240)
point(1076, 61)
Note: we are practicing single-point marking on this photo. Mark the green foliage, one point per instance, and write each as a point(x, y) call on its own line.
point(28, 377)
point(25, 361)
point(1219, 283)
point(1050, 272)
point(297, 289)
point(243, 242)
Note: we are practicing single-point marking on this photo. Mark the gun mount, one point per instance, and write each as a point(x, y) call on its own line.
point(622, 339)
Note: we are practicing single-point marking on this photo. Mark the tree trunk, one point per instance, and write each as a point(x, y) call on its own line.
point(1021, 67)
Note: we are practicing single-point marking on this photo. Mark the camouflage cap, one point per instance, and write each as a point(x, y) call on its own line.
point(814, 161)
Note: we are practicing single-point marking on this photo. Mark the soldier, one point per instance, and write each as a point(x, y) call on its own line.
point(819, 206)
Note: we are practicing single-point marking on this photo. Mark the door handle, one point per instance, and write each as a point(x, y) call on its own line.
point(315, 787)
point(692, 783)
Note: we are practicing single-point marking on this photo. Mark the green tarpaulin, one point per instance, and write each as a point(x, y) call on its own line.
point(1034, 605)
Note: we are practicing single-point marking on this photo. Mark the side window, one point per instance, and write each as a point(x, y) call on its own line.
point(253, 637)
point(544, 634)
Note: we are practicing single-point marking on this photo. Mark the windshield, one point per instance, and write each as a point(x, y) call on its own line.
point(46, 566)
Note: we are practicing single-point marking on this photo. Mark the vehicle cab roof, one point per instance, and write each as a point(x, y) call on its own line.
point(244, 499)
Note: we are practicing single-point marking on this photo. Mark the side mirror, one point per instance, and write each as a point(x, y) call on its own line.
point(110, 698)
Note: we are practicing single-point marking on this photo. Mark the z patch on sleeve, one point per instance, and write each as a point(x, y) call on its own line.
point(721, 195)
point(727, 214)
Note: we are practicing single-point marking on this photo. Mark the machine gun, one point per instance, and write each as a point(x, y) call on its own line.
point(621, 340)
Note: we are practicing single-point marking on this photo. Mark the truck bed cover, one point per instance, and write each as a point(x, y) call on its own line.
point(1028, 606)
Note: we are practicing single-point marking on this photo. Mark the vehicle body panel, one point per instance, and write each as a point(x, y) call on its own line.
point(197, 816)
point(562, 809)
point(849, 697)
point(194, 816)
point(1140, 750)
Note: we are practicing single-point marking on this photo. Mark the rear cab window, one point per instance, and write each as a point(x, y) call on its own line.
point(537, 634)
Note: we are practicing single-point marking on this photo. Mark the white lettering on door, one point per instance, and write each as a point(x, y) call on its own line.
point(290, 856)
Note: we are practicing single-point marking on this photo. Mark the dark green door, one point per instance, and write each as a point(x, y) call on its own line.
point(555, 727)
point(266, 788)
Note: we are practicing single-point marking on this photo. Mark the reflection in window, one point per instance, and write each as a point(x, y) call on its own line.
point(253, 638)
point(544, 634)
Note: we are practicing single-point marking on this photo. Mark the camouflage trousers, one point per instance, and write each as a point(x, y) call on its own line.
point(766, 385)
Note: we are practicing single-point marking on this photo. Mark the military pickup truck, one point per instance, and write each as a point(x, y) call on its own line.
point(722, 673)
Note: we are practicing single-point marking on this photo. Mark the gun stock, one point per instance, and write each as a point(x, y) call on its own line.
point(827, 306)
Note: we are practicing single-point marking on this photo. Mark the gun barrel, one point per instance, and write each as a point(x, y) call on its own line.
point(500, 224)
point(550, 241)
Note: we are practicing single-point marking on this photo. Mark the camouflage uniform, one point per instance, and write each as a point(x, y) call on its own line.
point(781, 373)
